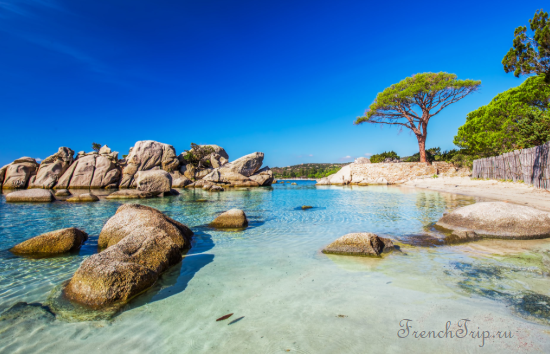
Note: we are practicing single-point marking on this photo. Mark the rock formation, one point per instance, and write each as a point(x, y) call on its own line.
point(31, 195)
point(148, 155)
point(498, 220)
point(141, 244)
point(54, 242)
point(52, 168)
point(92, 170)
point(360, 244)
point(18, 173)
point(231, 219)
point(131, 194)
point(83, 198)
point(153, 181)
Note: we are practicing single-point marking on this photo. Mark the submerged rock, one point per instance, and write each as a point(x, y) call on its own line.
point(499, 220)
point(23, 311)
point(142, 243)
point(359, 244)
point(132, 194)
point(54, 242)
point(216, 188)
point(459, 236)
point(304, 207)
point(231, 219)
point(82, 198)
point(31, 195)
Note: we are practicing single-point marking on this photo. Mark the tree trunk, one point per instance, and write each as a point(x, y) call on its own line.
point(422, 147)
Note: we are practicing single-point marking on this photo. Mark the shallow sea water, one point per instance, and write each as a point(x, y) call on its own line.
point(285, 295)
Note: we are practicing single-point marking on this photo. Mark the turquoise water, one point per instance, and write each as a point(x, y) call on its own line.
point(285, 295)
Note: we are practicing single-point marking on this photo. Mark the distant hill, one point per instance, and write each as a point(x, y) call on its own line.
point(309, 170)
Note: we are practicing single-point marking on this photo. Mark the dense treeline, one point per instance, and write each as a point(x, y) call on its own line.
point(309, 170)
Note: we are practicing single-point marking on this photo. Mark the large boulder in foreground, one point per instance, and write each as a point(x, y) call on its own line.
point(231, 219)
point(51, 243)
point(142, 243)
point(148, 155)
point(153, 181)
point(18, 173)
point(52, 168)
point(359, 244)
point(499, 220)
point(31, 195)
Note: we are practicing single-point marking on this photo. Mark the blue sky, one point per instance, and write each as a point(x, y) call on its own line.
point(287, 78)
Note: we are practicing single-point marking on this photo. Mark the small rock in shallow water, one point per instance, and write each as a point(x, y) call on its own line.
point(132, 194)
point(88, 197)
point(62, 193)
point(26, 311)
point(224, 317)
point(304, 207)
point(54, 242)
point(459, 236)
point(30, 195)
point(231, 219)
point(360, 244)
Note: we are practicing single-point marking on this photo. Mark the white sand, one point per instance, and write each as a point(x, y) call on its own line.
point(518, 193)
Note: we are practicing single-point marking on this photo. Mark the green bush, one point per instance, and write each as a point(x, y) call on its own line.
point(381, 157)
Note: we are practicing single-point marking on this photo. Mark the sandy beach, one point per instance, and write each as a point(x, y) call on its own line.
point(518, 193)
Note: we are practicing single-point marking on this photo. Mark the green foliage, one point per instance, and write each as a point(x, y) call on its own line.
point(530, 54)
point(432, 155)
point(381, 157)
point(309, 170)
point(96, 147)
point(504, 124)
point(463, 160)
point(124, 156)
point(196, 155)
point(413, 101)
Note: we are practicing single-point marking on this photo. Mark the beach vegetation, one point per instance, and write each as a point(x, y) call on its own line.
point(196, 155)
point(383, 156)
point(412, 102)
point(530, 52)
point(96, 147)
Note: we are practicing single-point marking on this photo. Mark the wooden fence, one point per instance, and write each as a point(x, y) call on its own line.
point(527, 165)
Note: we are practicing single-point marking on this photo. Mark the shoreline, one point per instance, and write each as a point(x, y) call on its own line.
point(512, 192)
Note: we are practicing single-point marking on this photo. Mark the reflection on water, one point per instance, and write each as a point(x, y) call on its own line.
point(284, 293)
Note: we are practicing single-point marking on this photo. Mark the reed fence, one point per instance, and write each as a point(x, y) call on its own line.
point(527, 165)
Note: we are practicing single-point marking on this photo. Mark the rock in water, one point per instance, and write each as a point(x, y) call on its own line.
point(153, 181)
point(263, 177)
point(142, 243)
point(54, 242)
point(359, 244)
point(499, 220)
point(52, 168)
point(131, 194)
point(215, 188)
point(304, 207)
point(30, 195)
point(62, 193)
point(81, 198)
point(231, 219)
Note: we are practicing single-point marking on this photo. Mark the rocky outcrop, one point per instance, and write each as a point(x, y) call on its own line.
point(54, 242)
point(498, 220)
point(52, 168)
point(92, 170)
point(62, 193)
point(246, 165)
point(141, 244)
point(179, 180)
point(31, 195)
point(360, 244)
point(341, 177)
point(231, 219)
point(148, 155)
point(83, 198)
point(18, 173)
point(263, 177)
point(153, 181)
point(131, 194)
point(361, 160)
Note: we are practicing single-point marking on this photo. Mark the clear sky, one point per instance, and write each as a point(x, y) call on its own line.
point(287, 78)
